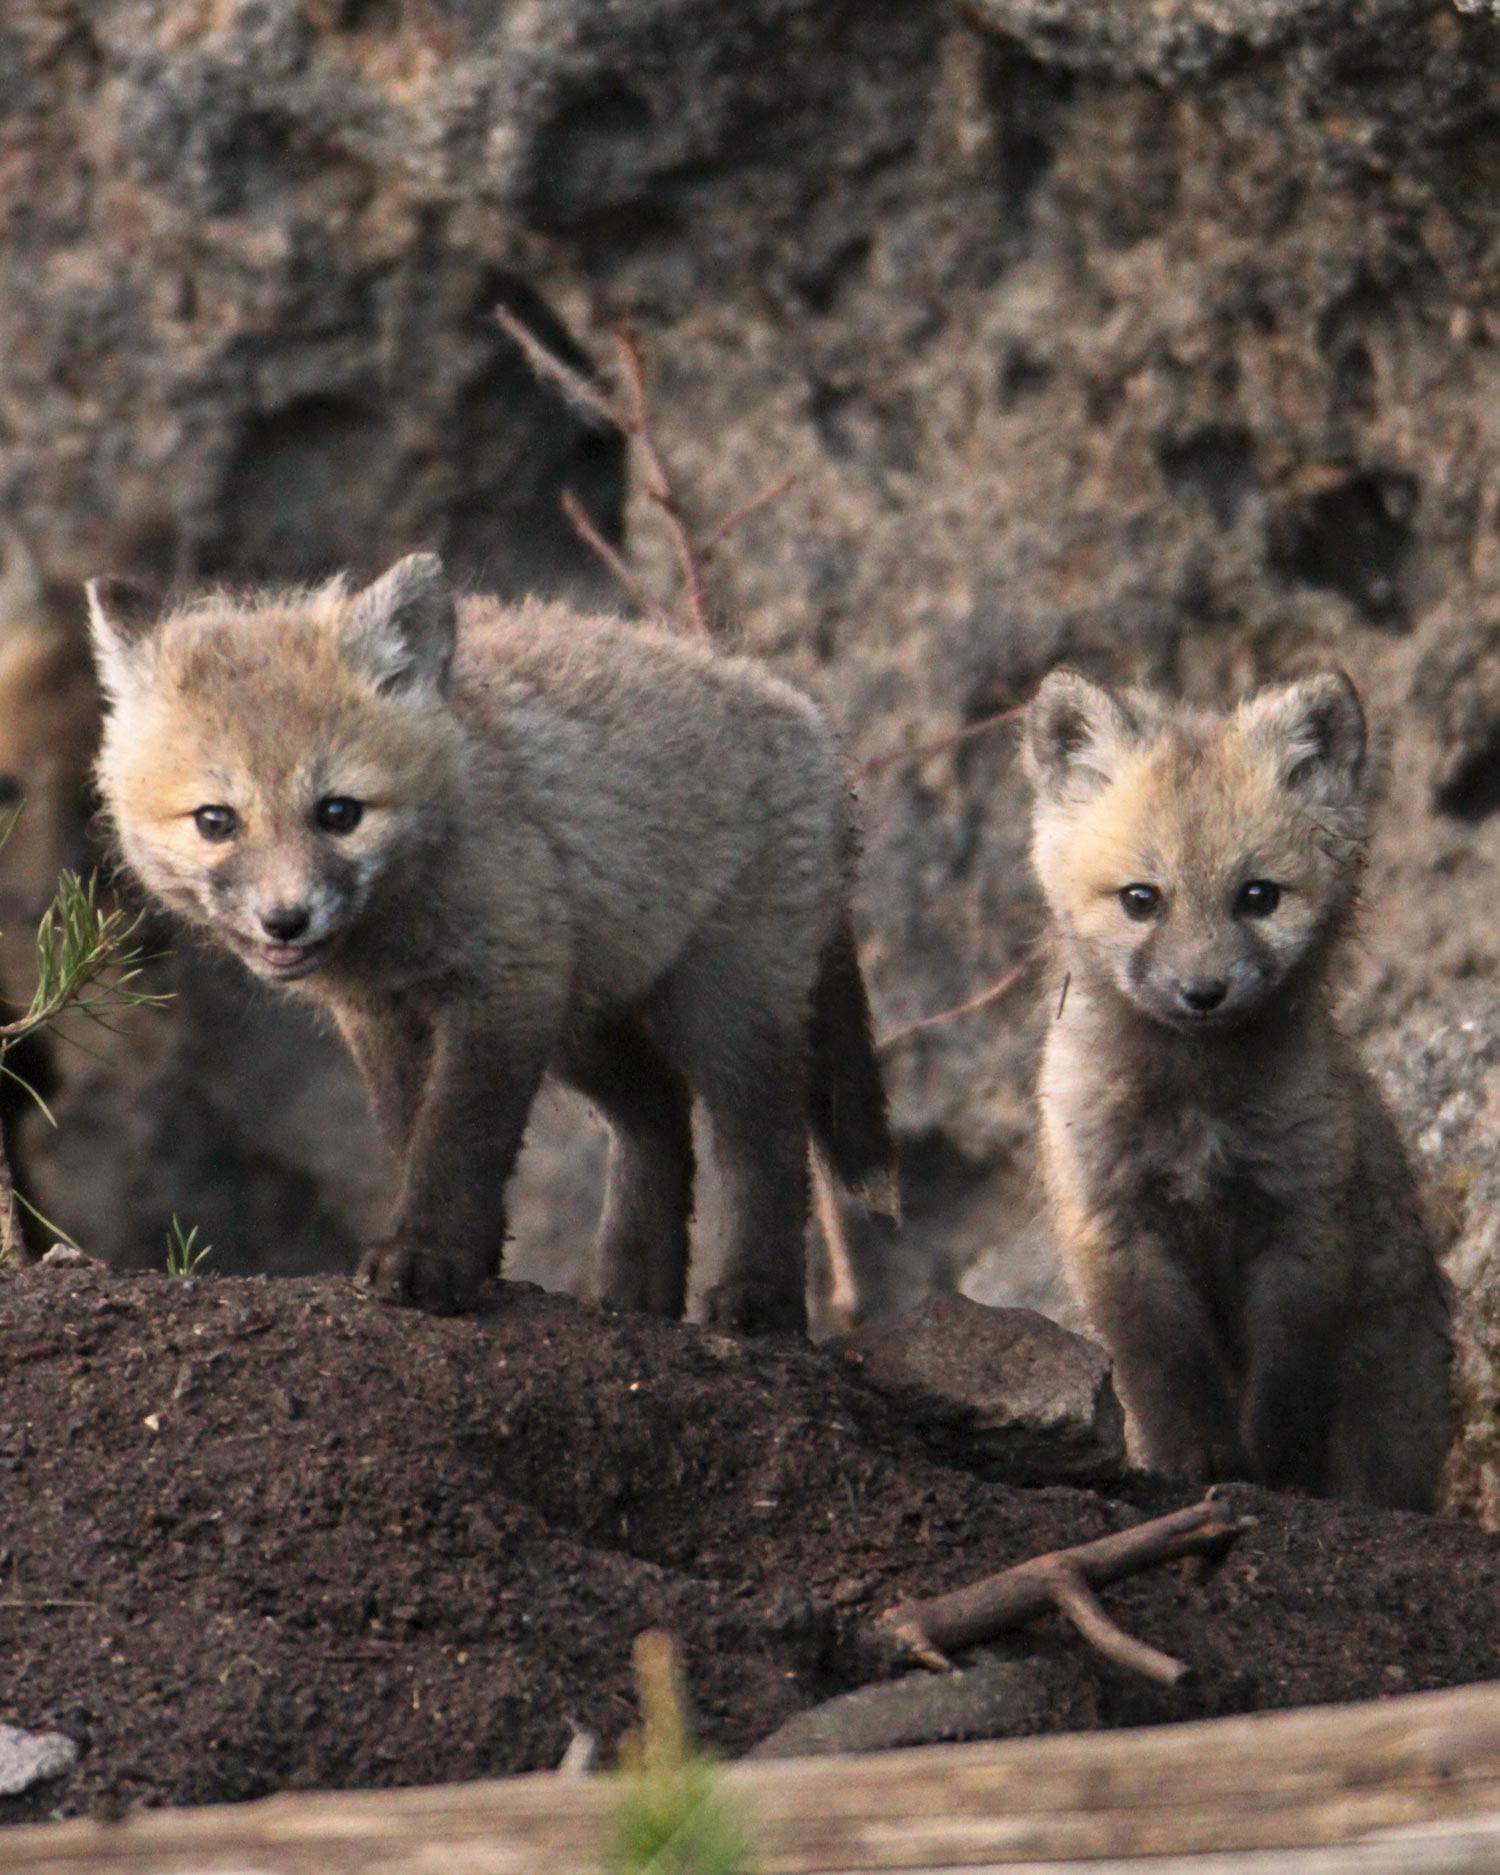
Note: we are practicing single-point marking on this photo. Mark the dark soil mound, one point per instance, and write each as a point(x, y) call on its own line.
point(264, 1534)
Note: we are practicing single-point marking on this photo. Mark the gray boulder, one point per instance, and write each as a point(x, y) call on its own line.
point(1039, 1399)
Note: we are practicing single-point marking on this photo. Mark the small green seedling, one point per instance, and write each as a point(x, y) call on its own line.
point(185, 1257)
point(675, 1816)
point(86, 962)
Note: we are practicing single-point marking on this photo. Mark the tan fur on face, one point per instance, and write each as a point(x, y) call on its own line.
point(1198, 814)
point(260, 712)
point(1196, 806)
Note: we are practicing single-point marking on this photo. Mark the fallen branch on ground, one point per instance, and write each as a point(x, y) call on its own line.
point(927, 1631)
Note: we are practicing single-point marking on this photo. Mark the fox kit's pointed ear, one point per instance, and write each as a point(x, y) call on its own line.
point(400, 630)
point(122, 617)
point(1315, 731)
point(1076, 731)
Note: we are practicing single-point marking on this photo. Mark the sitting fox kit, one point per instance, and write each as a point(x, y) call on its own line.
point(1231, 1201)
point(491, 841)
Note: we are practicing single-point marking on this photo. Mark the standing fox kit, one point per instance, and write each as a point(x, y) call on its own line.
point(491, 841)
point(1231, 1201)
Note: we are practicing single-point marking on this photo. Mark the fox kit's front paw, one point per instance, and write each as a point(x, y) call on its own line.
point(420, 1276)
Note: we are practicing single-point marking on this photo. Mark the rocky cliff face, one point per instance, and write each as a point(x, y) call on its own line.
point(1163, 342)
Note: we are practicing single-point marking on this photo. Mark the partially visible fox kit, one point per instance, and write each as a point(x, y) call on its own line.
point(492, 841)
point(1231, 1201)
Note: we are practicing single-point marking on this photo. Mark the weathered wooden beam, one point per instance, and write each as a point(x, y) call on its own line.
point(1317, 1791)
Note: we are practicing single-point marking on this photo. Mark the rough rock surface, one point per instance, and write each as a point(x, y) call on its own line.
point(31, 1758)
point(1162, 343)
point(995, 1699)
point(1036, 1398)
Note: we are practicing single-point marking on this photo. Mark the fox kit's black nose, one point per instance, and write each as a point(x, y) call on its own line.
point(285, 923)
point(1201, 997)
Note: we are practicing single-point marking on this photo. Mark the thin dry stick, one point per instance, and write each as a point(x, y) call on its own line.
point(710, 543)
point(635, 420)
point(1002, 987)
point(581, 393)
point(584, 528)
point(1083, 1608)
point(928, 1631)
point(49, 1601)
point(658, 482)
point(919, 752)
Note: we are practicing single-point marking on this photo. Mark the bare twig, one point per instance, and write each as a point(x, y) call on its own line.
point(928, 1631)
point(715, 538)
point(584, 397)
point(625, 574)
point(1001, 987)
point(658, 483)
point(1075, 1599)
point(50, 1601)
point(920, 751)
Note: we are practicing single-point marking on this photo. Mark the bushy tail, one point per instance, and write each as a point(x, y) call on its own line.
point(846, 1096)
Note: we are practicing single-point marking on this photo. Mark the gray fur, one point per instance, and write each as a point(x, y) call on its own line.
point(589, 847)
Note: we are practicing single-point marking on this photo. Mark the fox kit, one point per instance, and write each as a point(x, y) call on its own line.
point(1231, 1201)
point(490, 841)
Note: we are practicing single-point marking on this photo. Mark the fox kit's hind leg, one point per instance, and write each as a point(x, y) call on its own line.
point(745, 1053)
point(461, 1093)
point(643, 1235)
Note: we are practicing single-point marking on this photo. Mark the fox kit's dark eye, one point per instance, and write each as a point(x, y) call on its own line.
point(1140, 901)
point(337, 813)
point(217, 823)
point(1258, 898)
point(11, 791)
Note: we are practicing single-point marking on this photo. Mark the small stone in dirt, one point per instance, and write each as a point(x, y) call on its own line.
point(1000, 1699)
point(67, 1256)
point(28, 1758)
point(1040, 1399)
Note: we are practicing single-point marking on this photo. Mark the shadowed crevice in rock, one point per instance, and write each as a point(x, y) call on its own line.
point(1354, 538)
